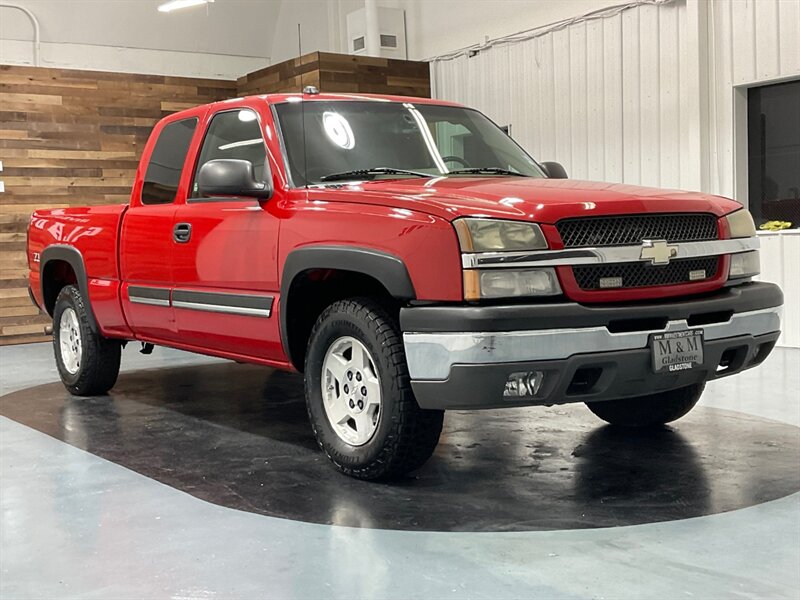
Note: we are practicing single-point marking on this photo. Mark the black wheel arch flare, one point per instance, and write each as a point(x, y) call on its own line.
point(386, 268)
point(74, 259)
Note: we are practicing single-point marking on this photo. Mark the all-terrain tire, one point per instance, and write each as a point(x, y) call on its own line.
point(98, 367)
point(648, 411)
point(406, 435)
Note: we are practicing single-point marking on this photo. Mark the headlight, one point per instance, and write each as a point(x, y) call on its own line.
point(509, 283)
point(741, 224)
point(492, 235)
point(746, 264)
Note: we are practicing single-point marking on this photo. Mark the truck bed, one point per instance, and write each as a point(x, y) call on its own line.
point(93, 232)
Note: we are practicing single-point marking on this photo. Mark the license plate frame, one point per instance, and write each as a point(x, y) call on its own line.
point(676, 351)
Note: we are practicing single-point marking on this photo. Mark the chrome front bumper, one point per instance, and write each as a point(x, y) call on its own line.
point(431, 355)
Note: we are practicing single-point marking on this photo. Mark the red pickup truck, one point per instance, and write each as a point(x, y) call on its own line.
point(408, 257)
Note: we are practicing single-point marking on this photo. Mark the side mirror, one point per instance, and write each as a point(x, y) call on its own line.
point(554, 170)
point(231, 177)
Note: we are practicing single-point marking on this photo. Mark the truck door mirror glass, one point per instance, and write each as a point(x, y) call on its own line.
point(231, 177)
point(554, 170)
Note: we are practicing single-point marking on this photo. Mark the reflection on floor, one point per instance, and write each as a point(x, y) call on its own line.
point(238, 435)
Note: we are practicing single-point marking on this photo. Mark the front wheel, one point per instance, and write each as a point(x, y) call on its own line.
point(87, 362)
point(650, 410)
point(359, 396)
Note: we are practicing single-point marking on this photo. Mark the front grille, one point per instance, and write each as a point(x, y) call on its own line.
point(632, 229)
point(641, 274)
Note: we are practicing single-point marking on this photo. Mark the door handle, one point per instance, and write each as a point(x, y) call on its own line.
point(182, 232)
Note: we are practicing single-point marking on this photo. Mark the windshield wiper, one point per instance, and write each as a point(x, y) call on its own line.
point(374, 171)
point(487, 170)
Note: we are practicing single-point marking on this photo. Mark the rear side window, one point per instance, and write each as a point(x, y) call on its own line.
point(166, 163)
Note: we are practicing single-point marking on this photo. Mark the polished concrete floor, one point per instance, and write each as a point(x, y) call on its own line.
point(198, 478)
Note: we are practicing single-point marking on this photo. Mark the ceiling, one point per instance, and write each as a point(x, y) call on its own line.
point(234, 27)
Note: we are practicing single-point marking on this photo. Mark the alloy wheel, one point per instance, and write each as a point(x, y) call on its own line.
point(70, 341)
point(351, 391)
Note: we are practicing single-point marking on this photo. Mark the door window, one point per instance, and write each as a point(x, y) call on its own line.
point(166, 162)
point(234, 134)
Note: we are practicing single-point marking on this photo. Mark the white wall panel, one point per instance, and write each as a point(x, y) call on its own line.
point(788, 36)
point(603, 98)
point(225, 40)
point(629, 88)
point(131, 60)
point(611, 113)
point(780, 256)
point(751, 41)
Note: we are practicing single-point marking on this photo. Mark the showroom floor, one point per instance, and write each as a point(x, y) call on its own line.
point(198, 478)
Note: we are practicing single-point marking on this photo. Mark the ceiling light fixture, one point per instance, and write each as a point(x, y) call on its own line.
point(178, 4)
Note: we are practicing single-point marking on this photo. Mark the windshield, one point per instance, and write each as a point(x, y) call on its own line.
point(427, 139)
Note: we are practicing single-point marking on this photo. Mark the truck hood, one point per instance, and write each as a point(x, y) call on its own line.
point(524, 198)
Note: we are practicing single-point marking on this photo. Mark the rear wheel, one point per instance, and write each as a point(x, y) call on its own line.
point(359, 397)
point(651, 410)
point(87, 362)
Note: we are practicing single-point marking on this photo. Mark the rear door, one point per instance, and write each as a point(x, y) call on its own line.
point(146, 238)
point(225, 268)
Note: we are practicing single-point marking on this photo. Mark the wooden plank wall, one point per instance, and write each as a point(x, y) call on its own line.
point(289, 76)
point(72, 137)
point(341, 73)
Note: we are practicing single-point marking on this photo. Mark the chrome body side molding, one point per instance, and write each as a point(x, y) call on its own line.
point(220, 302)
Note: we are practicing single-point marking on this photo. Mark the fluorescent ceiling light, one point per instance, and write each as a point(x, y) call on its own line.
point(178, 4)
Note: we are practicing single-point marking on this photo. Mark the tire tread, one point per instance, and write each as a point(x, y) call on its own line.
point(100, 358)
point(415, 432)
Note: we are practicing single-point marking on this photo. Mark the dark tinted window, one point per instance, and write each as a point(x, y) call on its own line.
point(234, 134)
point(773, 123)
point(166, 163)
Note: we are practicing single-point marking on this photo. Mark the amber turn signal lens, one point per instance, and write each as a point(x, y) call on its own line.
point(472, 286)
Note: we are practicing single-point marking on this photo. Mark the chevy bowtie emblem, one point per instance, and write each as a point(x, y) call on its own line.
point(658, 252)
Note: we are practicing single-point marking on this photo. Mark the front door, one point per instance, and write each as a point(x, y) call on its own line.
point(225, 264)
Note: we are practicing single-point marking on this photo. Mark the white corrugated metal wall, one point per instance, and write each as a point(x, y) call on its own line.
point(645, 97)
point(750, 41)
point(609, 99)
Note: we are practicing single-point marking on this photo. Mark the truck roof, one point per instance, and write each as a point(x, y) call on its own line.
point(328, 97)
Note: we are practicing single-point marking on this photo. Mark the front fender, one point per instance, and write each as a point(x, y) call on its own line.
point(386, 268)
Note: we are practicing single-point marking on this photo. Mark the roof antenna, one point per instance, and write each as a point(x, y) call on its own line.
point(307, 89)
point(303, 108)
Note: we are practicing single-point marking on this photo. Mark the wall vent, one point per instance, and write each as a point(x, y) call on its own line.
point(390, 36)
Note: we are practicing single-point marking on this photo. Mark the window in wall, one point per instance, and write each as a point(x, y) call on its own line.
point(166, 163)
point(234, 134)
point(773, 138)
